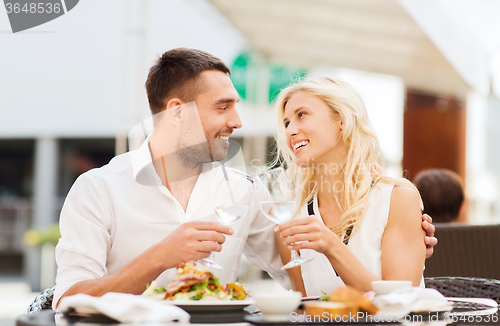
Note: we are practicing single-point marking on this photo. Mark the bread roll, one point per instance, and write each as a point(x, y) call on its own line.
point(351, 295)
point(330, 308)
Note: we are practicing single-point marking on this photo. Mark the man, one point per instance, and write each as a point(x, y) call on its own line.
point(135, 219)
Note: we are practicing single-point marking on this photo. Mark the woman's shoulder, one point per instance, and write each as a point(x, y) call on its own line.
point(402, 191)
point(401, 188)
point(405, 193)
point(395, 181)
point(405, 201)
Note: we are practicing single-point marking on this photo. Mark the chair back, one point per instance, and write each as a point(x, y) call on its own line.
point(465, 287)
point(43, 301)
point(465, 250)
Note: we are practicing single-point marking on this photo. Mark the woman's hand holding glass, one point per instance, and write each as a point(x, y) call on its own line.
point(308, 233)
point(283, 206)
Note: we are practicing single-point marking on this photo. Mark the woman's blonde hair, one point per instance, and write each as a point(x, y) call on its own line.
point(359, 172)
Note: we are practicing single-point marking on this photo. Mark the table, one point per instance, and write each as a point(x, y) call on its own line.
point(47, 318)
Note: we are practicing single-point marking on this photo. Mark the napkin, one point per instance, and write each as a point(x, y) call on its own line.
point(415, 299)
point(126, 308)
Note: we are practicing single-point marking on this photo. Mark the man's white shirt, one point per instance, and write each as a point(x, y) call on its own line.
point(114, 213)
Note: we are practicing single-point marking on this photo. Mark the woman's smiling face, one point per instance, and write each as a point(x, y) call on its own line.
point(312, 134)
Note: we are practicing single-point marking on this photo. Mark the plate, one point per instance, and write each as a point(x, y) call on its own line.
point(479, 301)
point(212, 306)
point(215, 311)
point(311, 298)
point(473, 306)
point(261, 320)
point(245, 302)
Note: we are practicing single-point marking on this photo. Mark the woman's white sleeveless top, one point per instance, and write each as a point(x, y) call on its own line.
point(365, 243)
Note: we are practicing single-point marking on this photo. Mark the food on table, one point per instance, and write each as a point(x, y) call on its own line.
point(330, 308)
point(344, 301)
point(351, 295)
point(193, 283)
point(236, 290)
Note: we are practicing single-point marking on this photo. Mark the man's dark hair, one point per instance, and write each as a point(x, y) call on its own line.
point(176, 74)
point(442, 194)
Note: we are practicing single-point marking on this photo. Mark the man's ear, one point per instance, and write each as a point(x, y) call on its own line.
point(173, 110)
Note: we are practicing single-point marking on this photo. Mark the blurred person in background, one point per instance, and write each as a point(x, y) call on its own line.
point(442, 192)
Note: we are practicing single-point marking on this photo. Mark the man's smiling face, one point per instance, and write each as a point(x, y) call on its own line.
point(216, 105)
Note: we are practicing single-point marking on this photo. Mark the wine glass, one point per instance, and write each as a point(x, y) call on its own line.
point(227, 210)
point(283, 206)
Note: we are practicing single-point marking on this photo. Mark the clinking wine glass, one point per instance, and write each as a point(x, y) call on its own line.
point(283, 206)
point(226, 209)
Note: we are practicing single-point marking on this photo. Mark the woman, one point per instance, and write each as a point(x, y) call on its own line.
point(362, 226)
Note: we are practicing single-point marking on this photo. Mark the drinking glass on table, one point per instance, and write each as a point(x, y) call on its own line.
point(226, 210)
point(283, 206)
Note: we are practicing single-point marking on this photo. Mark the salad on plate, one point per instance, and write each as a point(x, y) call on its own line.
point(192, 283)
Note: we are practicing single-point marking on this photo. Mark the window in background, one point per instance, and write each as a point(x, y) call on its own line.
point(78, 156)
point(16, 189)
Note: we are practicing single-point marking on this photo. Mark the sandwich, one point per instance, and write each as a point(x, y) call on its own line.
point(192, 283)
